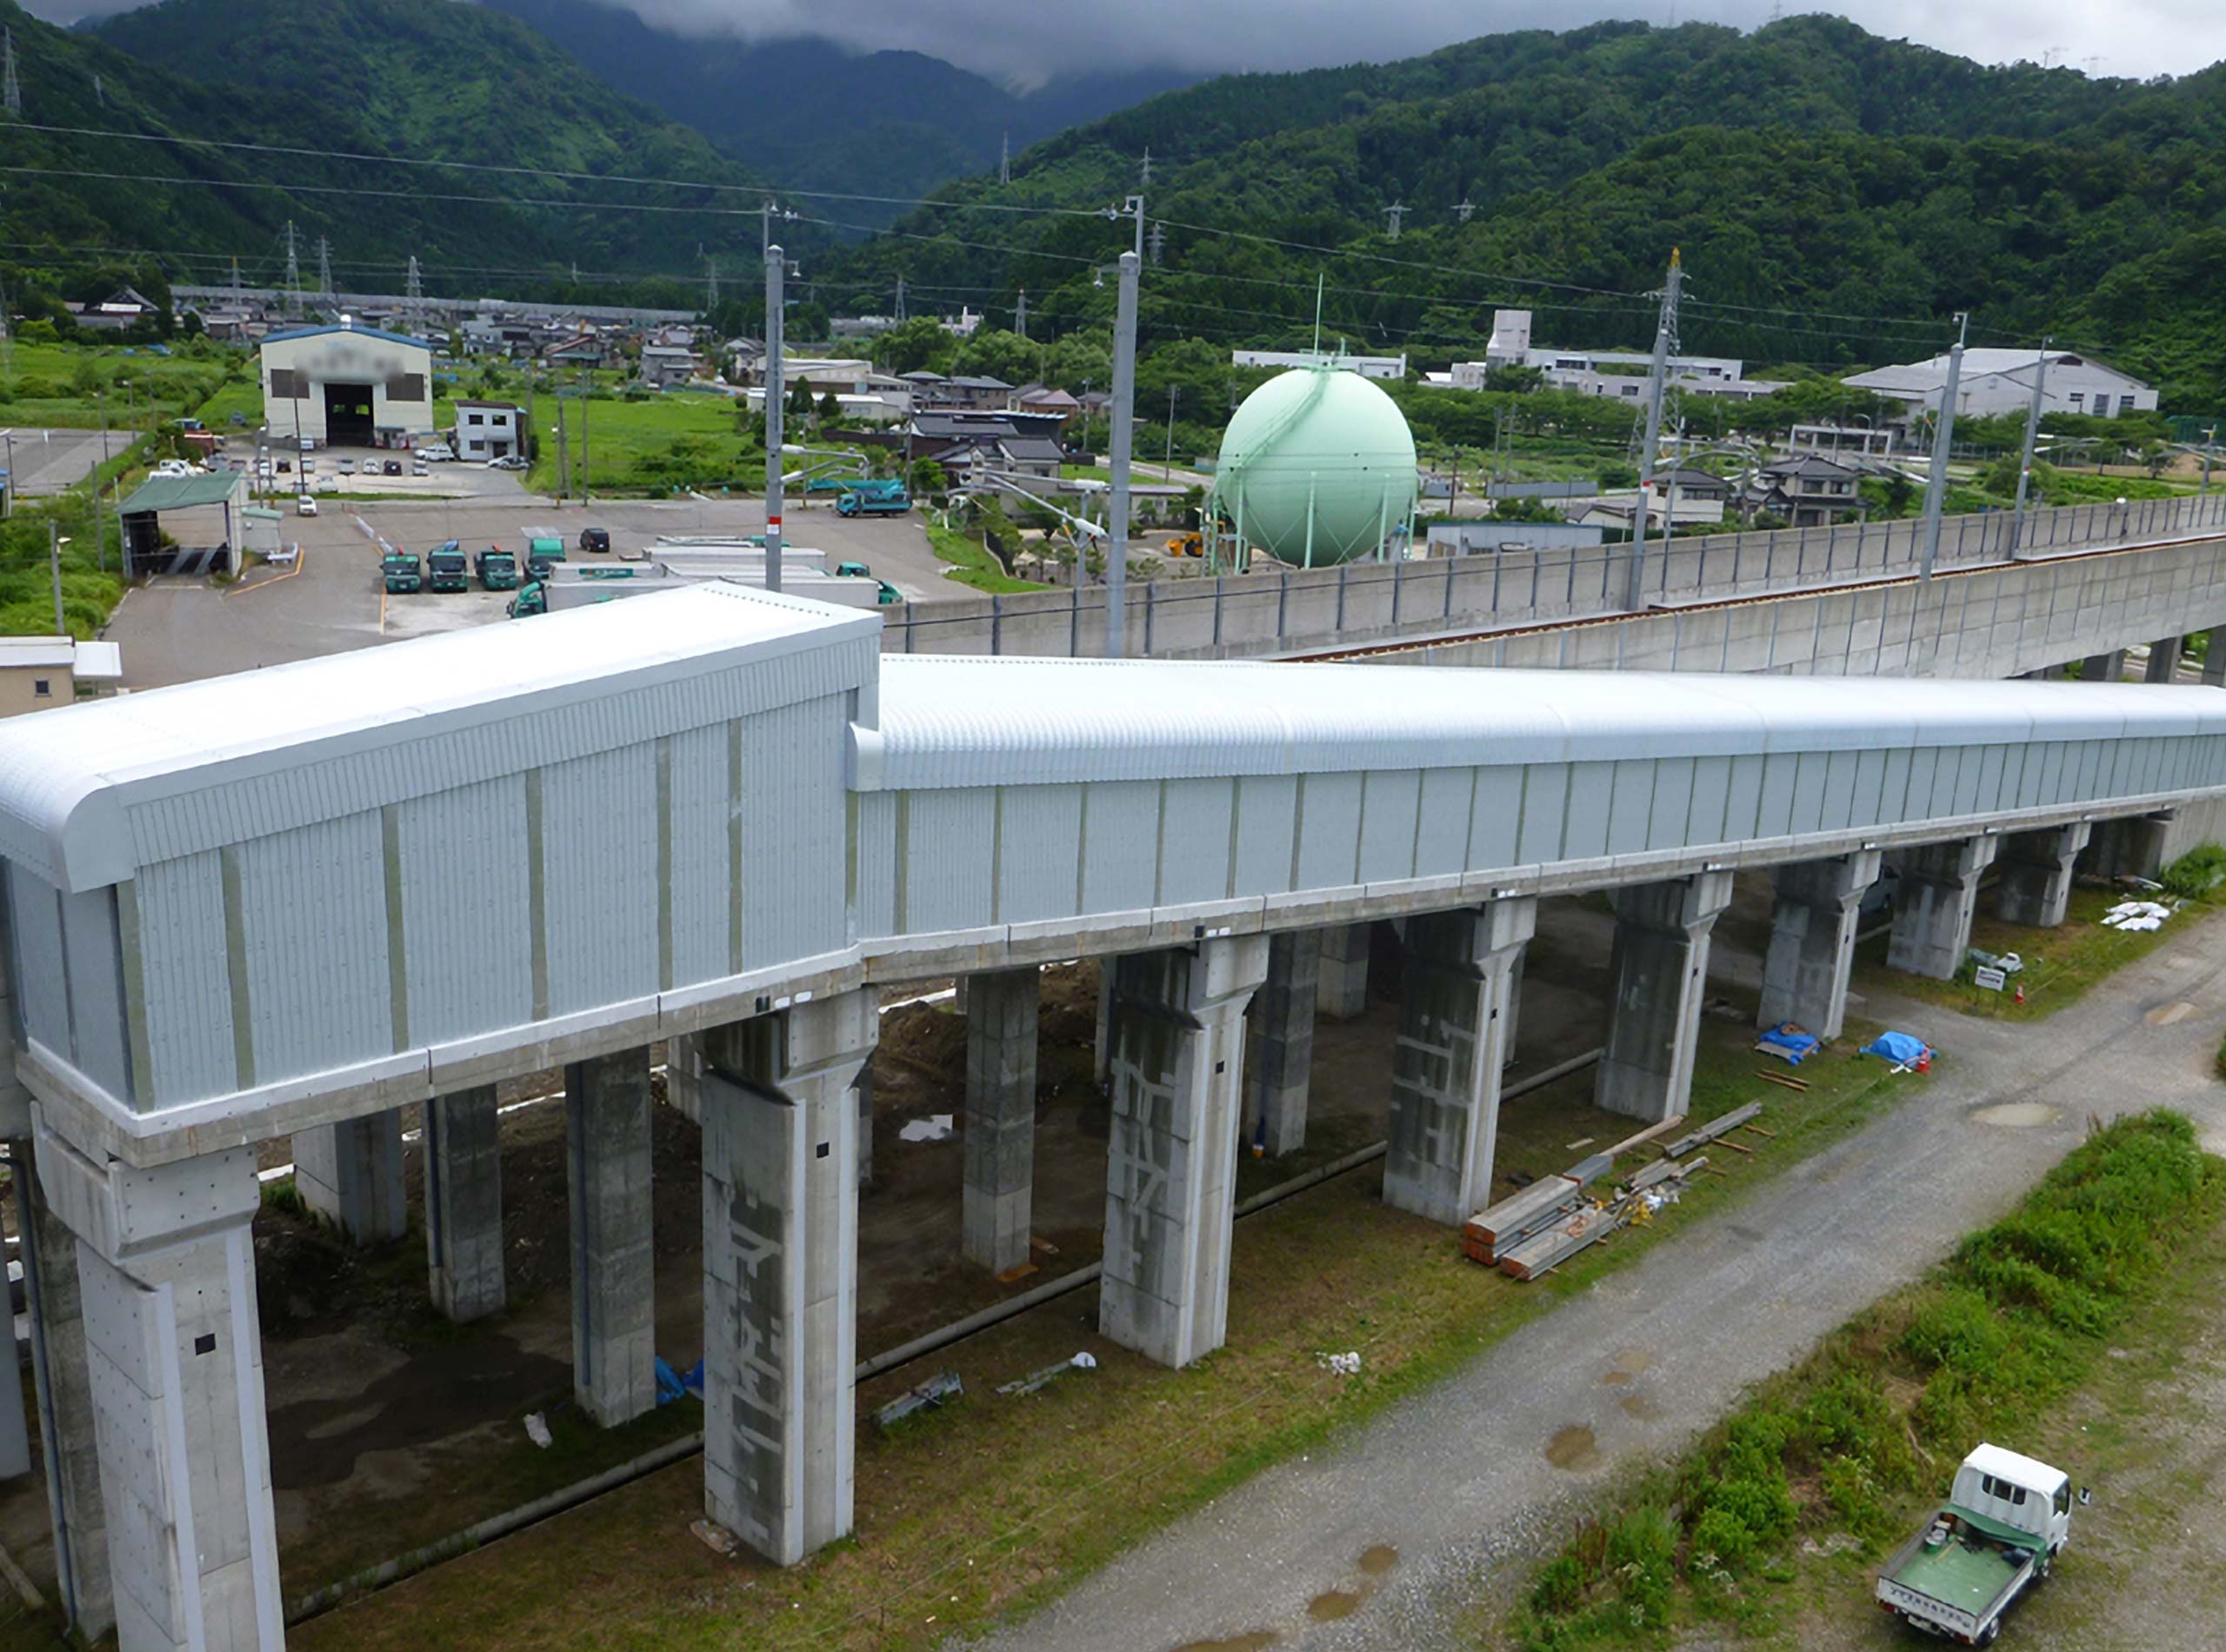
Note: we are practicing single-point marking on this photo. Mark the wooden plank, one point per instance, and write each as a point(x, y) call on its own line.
point(1540, 1198)
point(1734, 1147)
point(1665, 1171)
point(1714, 1129)
point(1647, 1135)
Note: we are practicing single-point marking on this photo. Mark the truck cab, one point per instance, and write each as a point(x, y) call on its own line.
point(532, 598)
point(2006, 1518)
point(888, 497)
point(542, 547)
point(398, 569)
point(498, 569)
point(447, 568)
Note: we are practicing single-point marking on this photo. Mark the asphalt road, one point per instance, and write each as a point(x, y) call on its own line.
point(49, 461)
point(1457, 1481)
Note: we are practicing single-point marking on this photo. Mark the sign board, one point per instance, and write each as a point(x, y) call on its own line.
point(1992, 980)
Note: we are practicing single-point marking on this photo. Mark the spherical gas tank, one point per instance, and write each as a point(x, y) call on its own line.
point(1316, 467)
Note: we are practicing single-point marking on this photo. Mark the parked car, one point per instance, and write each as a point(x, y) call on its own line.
point(436, 452)
point(347, 467)
point(392, 467)
point(285, 467)
point(417, 468)
point(597, 539)
point(509, 461)
point(307, 445)
point(305, 506)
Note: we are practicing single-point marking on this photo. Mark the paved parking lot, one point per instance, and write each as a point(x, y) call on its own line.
point(49, 461)
point(175, 631)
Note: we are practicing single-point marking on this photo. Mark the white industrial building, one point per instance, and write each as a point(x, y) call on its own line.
point(1619, 373)
point(2000, 381)
point(1385, 366)
point(347, 386)
point(488, 430)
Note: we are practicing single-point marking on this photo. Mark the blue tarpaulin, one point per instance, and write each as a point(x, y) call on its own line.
point(1788, 1044)
point(672, 1384)
point(1896, 1047)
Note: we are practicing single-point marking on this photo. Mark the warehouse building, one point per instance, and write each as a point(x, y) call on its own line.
point(347, 386)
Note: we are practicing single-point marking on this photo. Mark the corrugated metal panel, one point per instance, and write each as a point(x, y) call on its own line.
point(313, 917)
point(1780, 782)
point(876, 851)
point(795, 830)
point(1711, 798)
point(1391, 800)
point(1591, 795)
point(1194, 842)
point(97, 1023)
point(1039, 838)
point(946, 839)
point(599, 868)
point(1442, 832)
point(1992, 772)
point(1841, 769)
point(1267, 811)
point(35, 923)
point(1496, 821)
point(465, 919)
point(1328, 832)
point(700, 901)
point(1670, 817)
point(189, 1007)
point(1631, 807)
point(1742, 798)
point(1121, 840)
point(1545, 796)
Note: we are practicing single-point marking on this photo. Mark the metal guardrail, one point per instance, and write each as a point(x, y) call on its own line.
point(1292, 609)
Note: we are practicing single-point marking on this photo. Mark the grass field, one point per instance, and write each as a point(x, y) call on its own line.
point(60, 384)
point(679, 440)
point(993, 1504)
point(971, 564)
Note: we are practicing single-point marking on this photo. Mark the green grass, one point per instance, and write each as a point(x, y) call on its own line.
point(55, 384)
point(992, 1506)
point(1848, 1448)
point(672, 440)
point(972, 564)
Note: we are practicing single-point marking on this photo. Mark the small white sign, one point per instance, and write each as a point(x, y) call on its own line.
point(1992, 980)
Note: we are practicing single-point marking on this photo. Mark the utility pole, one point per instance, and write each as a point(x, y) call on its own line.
point(1158, 241)
point(1004, 160)
point(54, 563)
point(2032, 436)
point(586, 486)
point(1943, 438)
point(1167, 464)
point(711, 280)
point(239, 298)
point(1657, 378)
point(1020, 314)
point(776, 269)
point(1123, 412)
point(1133, 207)
point(1146, 179)
point(11, 90)
point(1393, 214)
point(563, 459)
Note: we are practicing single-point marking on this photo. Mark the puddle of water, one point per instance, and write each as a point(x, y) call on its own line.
point(1573, 1448)
point(1637, 1405)
point(1377, 1559)
point(2018, 1115)
point(1328, 1608)
point(1617, 1379)
point(1634, 1360)
point(2165, 1015)
point(1257, 1640)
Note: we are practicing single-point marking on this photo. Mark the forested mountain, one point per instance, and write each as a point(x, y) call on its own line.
point(427, 79)
point(1836, 197)
point(810, 113)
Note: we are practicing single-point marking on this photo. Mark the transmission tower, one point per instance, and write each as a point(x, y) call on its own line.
point(1147, 177)
point(1020, 314)
point(711, 281)
point(1393, 214)
point(293, 270)
point(413, 282)
point(900, 298)
point(1465, 211)
point(239, 298)
point(12, 92)
point(1158, 239)
point(1665, 347)
point(100, 93)
point(1004, 155)
point(324, 265)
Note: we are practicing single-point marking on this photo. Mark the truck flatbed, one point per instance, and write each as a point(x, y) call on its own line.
point(1968, 1572)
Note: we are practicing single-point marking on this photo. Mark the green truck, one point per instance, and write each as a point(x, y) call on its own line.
point(447, 568)
point(859, 570)
point(399, 570)
point(498, 569)
point(2006, 1519)
point(542, 547)
point(888, 497)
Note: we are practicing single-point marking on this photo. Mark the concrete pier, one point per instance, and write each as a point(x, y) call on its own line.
point(350, 1174)
point(1341, 982)
point(781, 1272)
point(1934, 903)
point(614, 1272)
point(1812, 941)
point(2214, 661)
point(1177, 1069)
point(1279, 1049)
point(63, 1385)
point(1659, 977)
point(174, 1358)
point(1000, 1121)
point(2132, 846)
point(2033, 885)
point(2163, 660)
point(863, 1091)
point(463, 1204)
point(2103, 668)
point(1455, 1020)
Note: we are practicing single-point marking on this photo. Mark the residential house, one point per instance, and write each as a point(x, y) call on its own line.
point(37, 672)
point(489, 430)
point(1024, 442)
point(581, 350)
point(982, 394)
point(1047, 399)
point(1809, 491)
point(664, 365)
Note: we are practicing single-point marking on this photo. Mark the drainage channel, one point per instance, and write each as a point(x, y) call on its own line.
point(371, 1579)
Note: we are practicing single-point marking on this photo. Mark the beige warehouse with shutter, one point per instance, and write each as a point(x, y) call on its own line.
point(347, 386)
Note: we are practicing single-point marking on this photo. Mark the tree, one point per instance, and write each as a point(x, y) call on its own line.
point(993, 354)
point(830, 408)
point(1513, 379)
point(921, 344)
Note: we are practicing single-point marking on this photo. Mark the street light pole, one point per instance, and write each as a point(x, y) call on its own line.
point(1658, 376)
point(1123, 430)
point(2032, 435)
point(1167, 464)
point(1943, 436)
point(54, 563)
point(776, 269)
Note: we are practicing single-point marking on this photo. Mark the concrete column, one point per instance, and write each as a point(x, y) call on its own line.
point(781, 1272)
point(2163, 660)
point(1000, 1122)
point(1934, 903)
point(15, 1427)
point(1178, 1073)
point(863, 1091)
point(1101, 1050)
point(463, 1204)
point(2034, 885)
point(614, 1264)
point(1659, 967)
point(2214, 662)
point(1812, 941)
point(1341, 989)
point(174, 1360)
point(2130, 847)
point(64, 1384)
point(1279, 1050)
point(1456, 1003)
point(350, 1174)
point(2103, 668)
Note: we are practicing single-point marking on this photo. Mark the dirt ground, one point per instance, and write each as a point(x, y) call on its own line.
point(391, 1428)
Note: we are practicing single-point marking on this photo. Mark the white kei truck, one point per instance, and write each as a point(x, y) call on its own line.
point(2006, 1518)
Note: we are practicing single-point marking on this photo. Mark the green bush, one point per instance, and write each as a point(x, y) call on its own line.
point(2197, 872)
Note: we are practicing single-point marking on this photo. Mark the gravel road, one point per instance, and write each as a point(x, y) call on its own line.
point(1389, 1538)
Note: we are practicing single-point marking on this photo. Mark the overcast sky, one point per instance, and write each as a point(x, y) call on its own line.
point(1032, 41)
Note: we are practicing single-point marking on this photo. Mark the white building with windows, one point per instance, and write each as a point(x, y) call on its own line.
point(1618, 373)
point(347, 386)
point(1383, 367)
point(489, 430)
point(2000, 381)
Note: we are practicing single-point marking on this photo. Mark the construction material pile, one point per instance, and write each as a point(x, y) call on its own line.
point(1529, 1234)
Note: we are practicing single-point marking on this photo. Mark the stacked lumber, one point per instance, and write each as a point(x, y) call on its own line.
point(1714, 1129)
point(1486, 1236)
point(1550, 1246)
